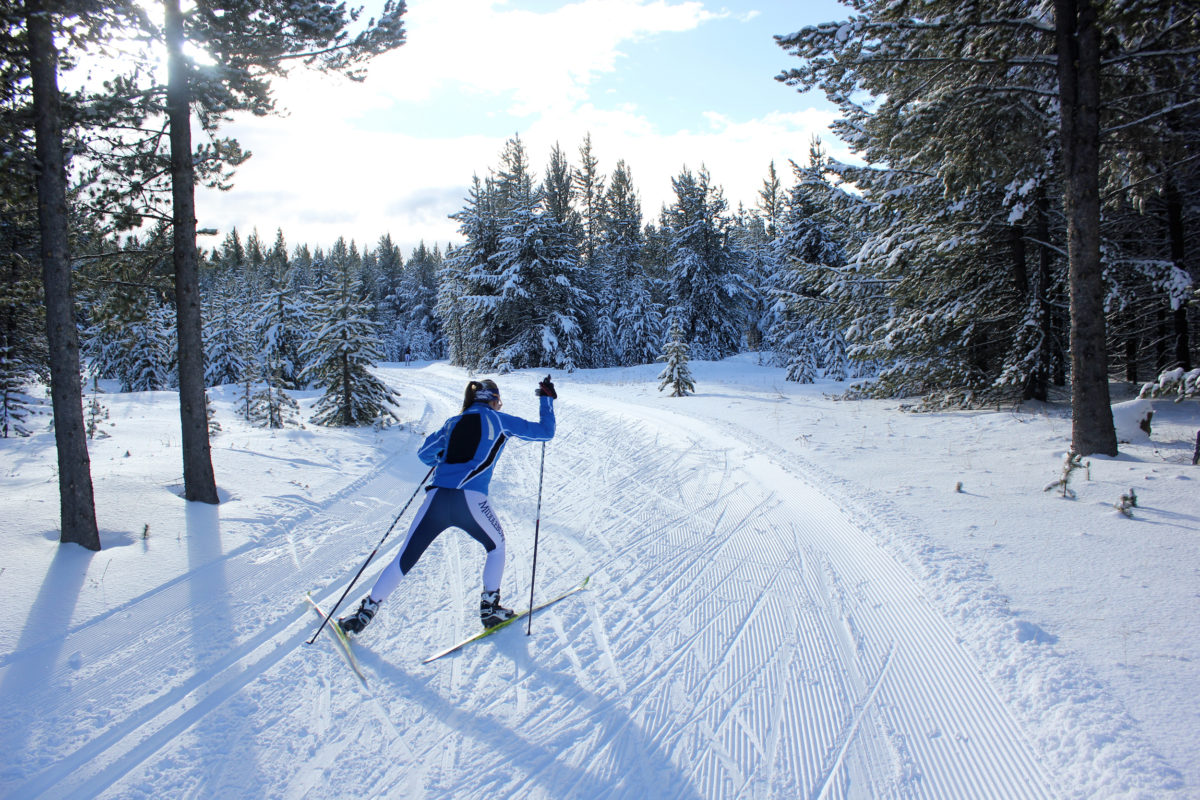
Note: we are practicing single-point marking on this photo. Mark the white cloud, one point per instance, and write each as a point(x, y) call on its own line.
point(341, 165)
point(541, 60)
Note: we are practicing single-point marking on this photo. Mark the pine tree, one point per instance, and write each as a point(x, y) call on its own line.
point(281, 326)
point(148, 346)
point(265, 401)
point(460, 311)
point(521, 302)
point(417, 320)
point(676, 374)
point(253, 43)
point(95, 412)
point(228, 344)
point(635, 331)
point(23, 356)
point(342, 349)
point(986, 114)
point(709, 296)
point(16, 405)
point(802, 330)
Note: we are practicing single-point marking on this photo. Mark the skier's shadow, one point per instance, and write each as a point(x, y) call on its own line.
point(640, 769)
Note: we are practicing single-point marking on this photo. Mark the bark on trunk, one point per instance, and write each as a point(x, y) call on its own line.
point(76, 498)
point(1183, 347)
point(1132, 340)
point(1092, 429)
point(198, 479)
point(1049, 356)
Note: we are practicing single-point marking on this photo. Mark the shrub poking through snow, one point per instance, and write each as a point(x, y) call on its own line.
point(1072, 461)
point(1127, 503)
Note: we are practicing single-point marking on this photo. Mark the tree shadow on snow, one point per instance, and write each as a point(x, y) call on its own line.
point(29, 674)
point(233, 771)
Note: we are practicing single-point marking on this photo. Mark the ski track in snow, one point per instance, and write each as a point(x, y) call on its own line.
point(741, 638)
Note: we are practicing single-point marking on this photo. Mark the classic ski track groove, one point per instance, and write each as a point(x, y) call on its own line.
point(811, 675)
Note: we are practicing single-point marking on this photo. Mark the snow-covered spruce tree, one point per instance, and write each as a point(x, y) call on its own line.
point(1083, 117)
point(629, 290)
point(16, 405)
point(526, 296)
point(676, 374)
point(267, 402)
point(342, 348)
point(708, 295)
point(148, 347)
point(281, 326)
point(946, 245)
point(228, 333)
point(589, 188)
point(757, 231)
point(23, 354)
point(458, 310)
point(803, 330)
point(95, 412)
point(417, 324)
point(588, 195)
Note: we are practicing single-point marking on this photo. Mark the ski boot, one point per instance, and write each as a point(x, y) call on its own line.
point(360, 618)
point(491, 613)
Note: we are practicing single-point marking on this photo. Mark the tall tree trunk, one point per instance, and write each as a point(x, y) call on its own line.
point(1183, 349)
point(199, 483)
point(76, 498)
point(1092, 429)
point(1132, 343)
point(1049, 355)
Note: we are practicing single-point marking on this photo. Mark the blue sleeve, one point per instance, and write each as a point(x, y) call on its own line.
point(435, 445)
point(540, 431)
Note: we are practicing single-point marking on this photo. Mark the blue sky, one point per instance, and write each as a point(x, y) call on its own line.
point(662, 84)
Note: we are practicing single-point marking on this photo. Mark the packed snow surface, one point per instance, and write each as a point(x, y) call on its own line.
point(791, 596)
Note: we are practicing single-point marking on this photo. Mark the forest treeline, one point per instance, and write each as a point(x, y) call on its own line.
point(1025, 219)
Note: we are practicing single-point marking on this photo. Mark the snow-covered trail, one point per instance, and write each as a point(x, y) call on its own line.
point(740, 638)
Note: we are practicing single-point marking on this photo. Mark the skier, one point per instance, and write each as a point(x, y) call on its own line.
point(463, 454)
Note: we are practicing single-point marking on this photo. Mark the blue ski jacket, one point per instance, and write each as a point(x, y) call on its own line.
point(465, 450)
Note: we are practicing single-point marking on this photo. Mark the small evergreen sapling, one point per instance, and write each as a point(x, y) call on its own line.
point(271, 406)
point(214, 427)
point(1127, 503)
point(676, 374)
point(96, 412)
point(1071, 461)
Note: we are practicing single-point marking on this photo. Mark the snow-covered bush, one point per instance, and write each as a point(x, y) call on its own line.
point(1132, 420)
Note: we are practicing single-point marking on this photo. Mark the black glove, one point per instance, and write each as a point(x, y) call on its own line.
point(546, 389)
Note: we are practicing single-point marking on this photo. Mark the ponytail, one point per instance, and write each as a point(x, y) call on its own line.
point(483, 391)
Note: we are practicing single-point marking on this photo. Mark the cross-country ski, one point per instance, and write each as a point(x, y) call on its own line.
point(340, 641)
point(501, 625)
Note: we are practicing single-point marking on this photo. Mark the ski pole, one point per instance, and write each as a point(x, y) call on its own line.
point(368, 561)
point(537, 527)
